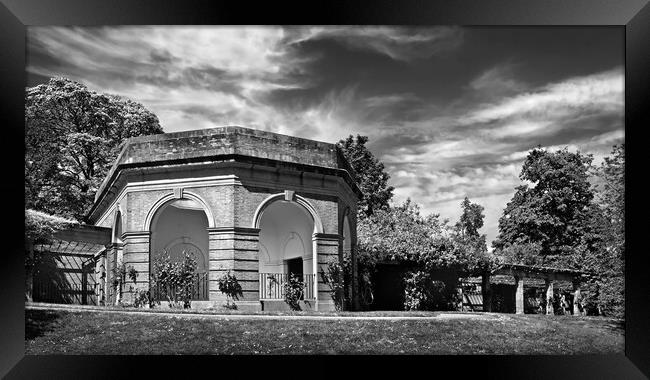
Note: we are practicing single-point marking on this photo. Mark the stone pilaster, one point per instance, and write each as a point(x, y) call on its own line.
point(327, 250)
point(113, 258)
point(234, 249)
point(576, 297)
point(549, 297)
point(136, 255)
point(519, 295)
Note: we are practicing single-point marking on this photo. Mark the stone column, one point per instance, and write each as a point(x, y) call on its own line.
point(356, 303)
point(549, 297)
point(327, 250)
point(519, 295)
point(487, 292)
point(576, 296)
point(235, 249)
point(113, 258)
point(136, 255)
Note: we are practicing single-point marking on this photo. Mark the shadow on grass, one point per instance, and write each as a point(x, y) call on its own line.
point(38, 322)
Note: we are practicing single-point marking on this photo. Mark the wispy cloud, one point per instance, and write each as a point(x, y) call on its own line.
point(399, 43)
point(498, 81)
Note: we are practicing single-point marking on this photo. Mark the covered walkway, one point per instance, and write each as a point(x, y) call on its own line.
point(523, 272)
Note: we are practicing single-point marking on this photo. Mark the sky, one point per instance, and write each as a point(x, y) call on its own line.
point(450, 111)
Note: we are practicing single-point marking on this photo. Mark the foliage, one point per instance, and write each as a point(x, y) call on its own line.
point(521, 253)
point(604, 249)
point(401, 233)
point(141, 297)
point(470, 247)
point(334, 277)
point(293, 290)
point(371, 177)
point(566, 221)
point(40, 226)
point(118, 274)
point(552, 211)
point(132, 274)
point(72, 136)
point(229, 286)
point(471, 220)
point(422, 292)
point(175, 279)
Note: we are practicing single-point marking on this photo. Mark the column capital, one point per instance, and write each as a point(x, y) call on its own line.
point(324, 236)
point(136, 234)
point(234, 230)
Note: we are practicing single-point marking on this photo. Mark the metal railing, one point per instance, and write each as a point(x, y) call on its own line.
point(272, 285)
point(200, 290)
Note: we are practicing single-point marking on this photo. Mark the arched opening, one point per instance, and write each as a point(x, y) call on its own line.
point(117, 228)
point(178, 227)
point(286, 247)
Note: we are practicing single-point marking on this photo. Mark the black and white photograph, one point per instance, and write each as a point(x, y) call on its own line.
point(292, 190)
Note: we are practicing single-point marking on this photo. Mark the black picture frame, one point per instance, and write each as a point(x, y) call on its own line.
point(633, 15)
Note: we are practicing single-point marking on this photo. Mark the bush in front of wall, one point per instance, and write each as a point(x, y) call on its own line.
point(334, 278)
point(229, 286)
point(175, 279)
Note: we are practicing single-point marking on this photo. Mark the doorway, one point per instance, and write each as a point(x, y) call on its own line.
point(294, 266)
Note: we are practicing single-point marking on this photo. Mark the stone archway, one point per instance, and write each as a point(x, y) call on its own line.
point(177, 227)
point(287, 225)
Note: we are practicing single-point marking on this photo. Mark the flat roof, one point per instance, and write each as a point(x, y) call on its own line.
point(214, 144)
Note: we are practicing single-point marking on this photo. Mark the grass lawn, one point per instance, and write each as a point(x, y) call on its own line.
point(68, 332)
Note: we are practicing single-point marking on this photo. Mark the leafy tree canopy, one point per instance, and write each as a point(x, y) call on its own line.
point(39, 226)
point(551, 213)
point(72, 136)
point(371, 176)
point(469, 244)
point(471, 220)
point(402, 233)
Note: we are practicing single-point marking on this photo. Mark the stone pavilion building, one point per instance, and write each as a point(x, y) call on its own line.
point(255, 203)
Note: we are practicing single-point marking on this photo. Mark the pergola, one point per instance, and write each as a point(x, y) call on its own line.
point(521, 272)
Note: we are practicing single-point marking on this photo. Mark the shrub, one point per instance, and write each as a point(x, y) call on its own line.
point(175, 280)
point(293, 290)
point(229, 286)
point(334, 277)
point(421, 292)
point(141, 297)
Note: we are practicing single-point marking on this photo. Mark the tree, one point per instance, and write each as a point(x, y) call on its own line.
point(552, 212)
point(72, 136)
point(470, 246)
point(471, 220)
point(370, 175)
point(604, 252)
